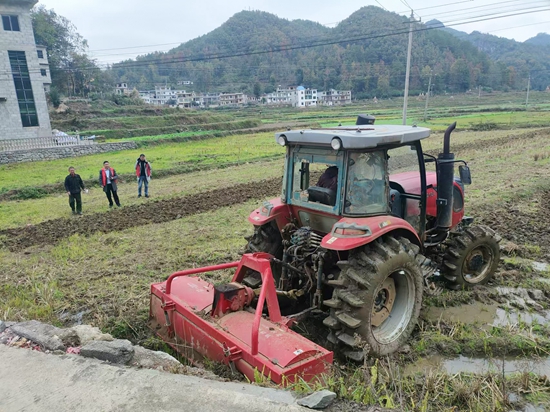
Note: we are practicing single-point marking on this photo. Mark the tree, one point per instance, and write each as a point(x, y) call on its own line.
point(257, 90)
point(460, 75)
point(71, 70)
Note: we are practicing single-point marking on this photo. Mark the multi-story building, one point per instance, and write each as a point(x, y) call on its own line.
point(42, 54)
point(232, 99)
point(185, 99)
point(305, 97)
point(335, 97)
point(208, 99)
point(282, 96)
point(122, 89)
point(24, 73)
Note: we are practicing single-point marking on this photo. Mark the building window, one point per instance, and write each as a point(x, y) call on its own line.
point(11, 23)
point(40, 54)
point(23, 88)
point(43, 72)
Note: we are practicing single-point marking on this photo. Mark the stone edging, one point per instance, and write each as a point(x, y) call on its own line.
point(52, 153)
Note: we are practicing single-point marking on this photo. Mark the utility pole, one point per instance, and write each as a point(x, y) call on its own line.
point(409, 51)
point(528, 87)
point(479, 91)
point(428, 95)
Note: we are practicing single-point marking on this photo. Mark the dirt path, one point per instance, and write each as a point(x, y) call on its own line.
point(161, 211)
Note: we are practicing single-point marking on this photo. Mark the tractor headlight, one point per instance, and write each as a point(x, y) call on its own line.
point(336, 143)
point(282, 140)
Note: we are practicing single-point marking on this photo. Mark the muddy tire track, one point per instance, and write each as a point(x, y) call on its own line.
point(166, 210)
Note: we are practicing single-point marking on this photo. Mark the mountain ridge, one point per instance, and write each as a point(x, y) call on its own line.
point(365, 52)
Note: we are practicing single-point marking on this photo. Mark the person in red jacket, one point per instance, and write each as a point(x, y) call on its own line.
point(143, 173)
point(107, 180)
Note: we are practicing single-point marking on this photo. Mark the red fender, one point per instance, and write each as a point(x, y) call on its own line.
point(271, 210)
point(351, 233)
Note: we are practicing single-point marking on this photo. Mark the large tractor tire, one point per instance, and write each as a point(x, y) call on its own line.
point(377, 298)
point(471, 257)
point(266, 238)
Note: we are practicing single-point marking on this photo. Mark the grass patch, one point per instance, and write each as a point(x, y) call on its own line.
point(196, 155)
point(109, 274)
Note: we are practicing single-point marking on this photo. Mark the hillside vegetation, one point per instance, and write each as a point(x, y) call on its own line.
point(365, 53)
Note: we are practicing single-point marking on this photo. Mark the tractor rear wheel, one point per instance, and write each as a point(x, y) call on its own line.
point(266, 238)
point(471, 257)
point(377, 298)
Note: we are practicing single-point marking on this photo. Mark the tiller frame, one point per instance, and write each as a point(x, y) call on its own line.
point(200, 320)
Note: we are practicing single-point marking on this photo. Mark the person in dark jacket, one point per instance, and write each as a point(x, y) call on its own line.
point(329, 179)
point(107, 180)
point(73, 184)
point(143, 173)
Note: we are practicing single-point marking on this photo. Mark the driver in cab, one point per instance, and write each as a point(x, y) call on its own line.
point(329, 178)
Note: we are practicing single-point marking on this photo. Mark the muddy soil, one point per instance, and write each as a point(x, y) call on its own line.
point(52, 231)
point(522, 227)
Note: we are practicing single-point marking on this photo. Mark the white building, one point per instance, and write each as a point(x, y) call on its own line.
point(162, 95)
point(283, 96)
point(232, 99)
point(122, 89)
point(185, 99)
point(335, 97)
point(305, 97)
point(24, 73)
point(292, 96)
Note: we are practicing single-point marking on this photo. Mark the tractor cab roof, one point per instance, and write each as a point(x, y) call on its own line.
point(353, 137)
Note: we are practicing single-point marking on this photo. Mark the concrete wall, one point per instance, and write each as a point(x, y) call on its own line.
point(10, 118)
point(17, 156)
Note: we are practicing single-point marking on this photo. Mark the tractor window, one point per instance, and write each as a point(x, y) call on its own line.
point(404, 179)
point(367, 187)
point(315, 179)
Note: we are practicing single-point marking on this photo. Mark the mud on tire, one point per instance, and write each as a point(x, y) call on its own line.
point(266, 238)
point(471, 257)
point(383, 277)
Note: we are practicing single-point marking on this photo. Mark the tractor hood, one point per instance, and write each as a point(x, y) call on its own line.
point(354, 137)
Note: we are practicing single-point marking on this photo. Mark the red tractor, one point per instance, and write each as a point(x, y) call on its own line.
point(360, 230)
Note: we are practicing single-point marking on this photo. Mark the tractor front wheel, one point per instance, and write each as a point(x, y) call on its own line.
point(377, 298)
point(471, 257)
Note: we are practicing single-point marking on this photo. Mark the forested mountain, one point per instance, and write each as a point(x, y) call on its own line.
point(365, 53)
point(541, 39)
point(531, 57)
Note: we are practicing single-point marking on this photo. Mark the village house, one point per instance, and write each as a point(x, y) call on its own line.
point(334, 97)
point(24, 75)
point(305, 97)
point(232, 99)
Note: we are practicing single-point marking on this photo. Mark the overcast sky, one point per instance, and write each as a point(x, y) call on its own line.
point(120, 29)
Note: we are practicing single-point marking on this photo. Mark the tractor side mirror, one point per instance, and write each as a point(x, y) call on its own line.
point(465, 175)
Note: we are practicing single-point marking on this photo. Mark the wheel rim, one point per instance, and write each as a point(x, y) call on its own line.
point(477, 264)
point(393, 309)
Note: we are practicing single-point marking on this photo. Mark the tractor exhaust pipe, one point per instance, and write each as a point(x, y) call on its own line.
point(445, 181)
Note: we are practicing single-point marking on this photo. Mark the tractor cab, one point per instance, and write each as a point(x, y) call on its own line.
point(337, 180)
point(347, 171)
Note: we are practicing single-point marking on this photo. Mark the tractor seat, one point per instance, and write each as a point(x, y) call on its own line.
point(396, 203)
point(322, 195)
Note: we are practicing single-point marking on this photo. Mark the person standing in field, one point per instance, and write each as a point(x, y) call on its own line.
point(107, 180)
point(73, 184)
point(143, 173)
